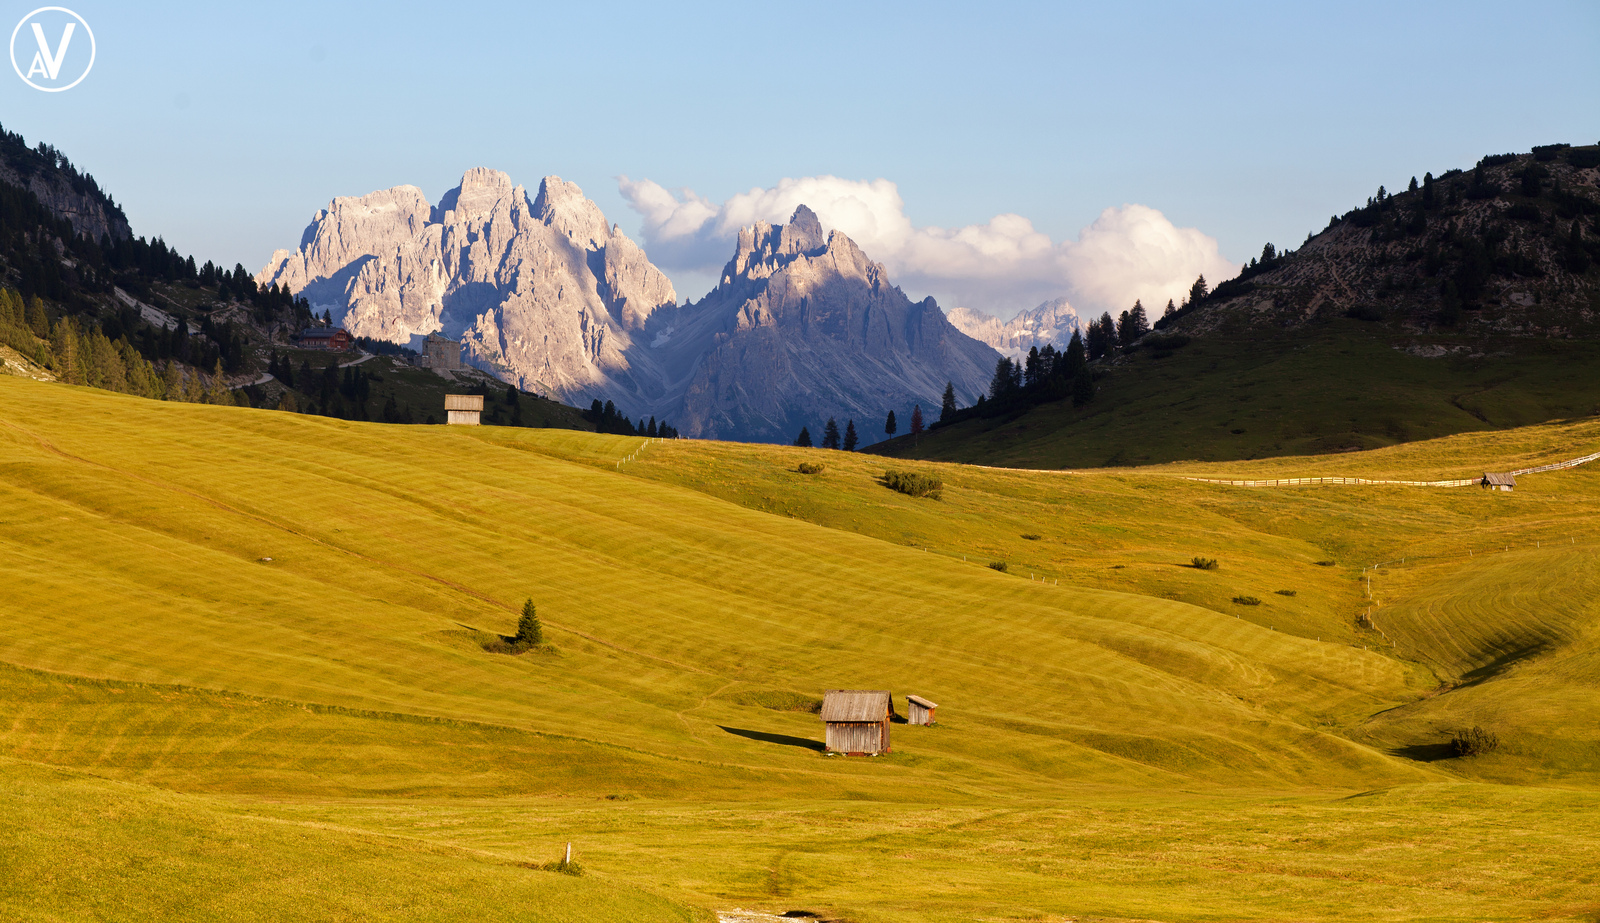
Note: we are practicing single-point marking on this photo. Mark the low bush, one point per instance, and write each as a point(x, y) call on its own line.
point(1031, 536)
point(809, 468)
point(1325, 563)
point(1288, 592)
point(1247, 600)
point(1474, 742)
point(913, 484)
point(998, 565)
point(1199, 563)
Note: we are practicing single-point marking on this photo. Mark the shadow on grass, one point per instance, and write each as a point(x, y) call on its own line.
point(783, 739)
point(1425, 753)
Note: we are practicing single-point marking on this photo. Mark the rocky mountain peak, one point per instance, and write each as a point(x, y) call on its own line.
point(802, 234)
point(563, 205)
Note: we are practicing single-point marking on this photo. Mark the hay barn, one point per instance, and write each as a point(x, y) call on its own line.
point(1493, 481)
point(463, 409)
point(919, 710)
point(857, 720)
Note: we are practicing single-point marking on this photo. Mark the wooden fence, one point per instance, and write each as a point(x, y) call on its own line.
point(1559, 465)
point(1299, 482)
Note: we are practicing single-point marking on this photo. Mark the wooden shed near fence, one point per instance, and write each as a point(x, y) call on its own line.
point(1493, 481)
point(463, 408)
point(919, 710)
point(857, 720)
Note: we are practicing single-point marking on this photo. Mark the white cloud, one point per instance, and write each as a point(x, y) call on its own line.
point(1002, 266)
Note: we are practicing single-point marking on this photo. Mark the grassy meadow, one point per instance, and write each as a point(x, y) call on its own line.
point(241, 648)
point(1255, 392)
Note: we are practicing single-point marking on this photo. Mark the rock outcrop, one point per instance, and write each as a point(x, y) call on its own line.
point(543, 292)
point(61, 188)
point(1050, 323)
point(803, 326)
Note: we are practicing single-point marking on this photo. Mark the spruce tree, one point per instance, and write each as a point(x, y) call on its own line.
point(1171, 309)
point(529, 631)
point(1138, 324)
point(947, 407)
point(916, 420)
point(830, 435)
point(851, 440)
point(1197, 291)
point(804, 439)
point(889, 426)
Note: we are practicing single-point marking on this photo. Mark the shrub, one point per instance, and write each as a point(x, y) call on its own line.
point(998, 565)
point(1247, 600)
point(1585, 157)
point(1325, 563)
point(1288, 592)
point(1474, 742)
point(913, 484)
point(1199, 563)
point(809, 468)
point(1031, 536)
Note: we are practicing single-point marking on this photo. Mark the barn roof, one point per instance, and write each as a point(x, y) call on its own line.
point(921, 701)
point(855, 705)
point(463, 402)
point(1499, 480)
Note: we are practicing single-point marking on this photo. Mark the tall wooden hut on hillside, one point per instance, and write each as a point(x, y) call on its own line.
point(919, 710)
point(857, 720)
point(1493, 481)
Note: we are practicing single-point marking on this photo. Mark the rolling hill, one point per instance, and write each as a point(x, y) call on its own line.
point(242, 647)
point(1465, 303)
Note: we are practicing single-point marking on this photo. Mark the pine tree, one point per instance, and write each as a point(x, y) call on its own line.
point(1138, 324)
point(947, 408)
point(804, 439)
point(1197, 291)
point(529, 632)
point(1171, 309)
point(889, 426)
point(218, 392)
point(851, 440)
point(38, 320)
point(916, 420)
point(1075, 359)
point(830, 435)
point(1000, 385)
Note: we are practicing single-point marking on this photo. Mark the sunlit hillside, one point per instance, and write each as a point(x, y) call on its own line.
point(257, 639)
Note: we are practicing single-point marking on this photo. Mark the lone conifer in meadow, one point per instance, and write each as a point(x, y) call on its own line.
point(529, 631)
point(804, 439)
point(830, 435)
point(889, 426)
point(850, 437)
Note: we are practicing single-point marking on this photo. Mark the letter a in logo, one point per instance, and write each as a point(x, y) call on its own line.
point(45, 72)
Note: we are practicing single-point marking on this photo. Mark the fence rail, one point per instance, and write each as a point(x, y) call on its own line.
point(1297, 482)
point(1461, 482)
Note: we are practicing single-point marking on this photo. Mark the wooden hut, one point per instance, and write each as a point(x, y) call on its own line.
point(857, 720)
point(1498, 481)
point(919, 710)
point(463, 408)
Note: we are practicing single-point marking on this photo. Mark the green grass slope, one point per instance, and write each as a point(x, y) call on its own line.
point(273, 616)
point(1260, 392)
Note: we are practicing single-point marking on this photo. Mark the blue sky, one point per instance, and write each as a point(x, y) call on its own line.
point(223, 127)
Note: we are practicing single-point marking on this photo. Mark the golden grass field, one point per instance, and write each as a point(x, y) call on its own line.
point(193, 731)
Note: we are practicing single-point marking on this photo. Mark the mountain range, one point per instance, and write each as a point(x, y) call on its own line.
point(1050, 324)
point(802, 326)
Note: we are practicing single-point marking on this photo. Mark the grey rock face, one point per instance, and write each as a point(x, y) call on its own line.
point(543, 292)
point(804, 326)
point(90, 214)
point(1050, 323)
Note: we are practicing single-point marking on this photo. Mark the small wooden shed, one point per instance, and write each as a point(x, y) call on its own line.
point(463, 408)
point(1493, 481)
point(919, 710)
point(857, 720)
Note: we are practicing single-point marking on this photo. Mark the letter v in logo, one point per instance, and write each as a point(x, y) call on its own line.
point(49, 63)
point(43, 61)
